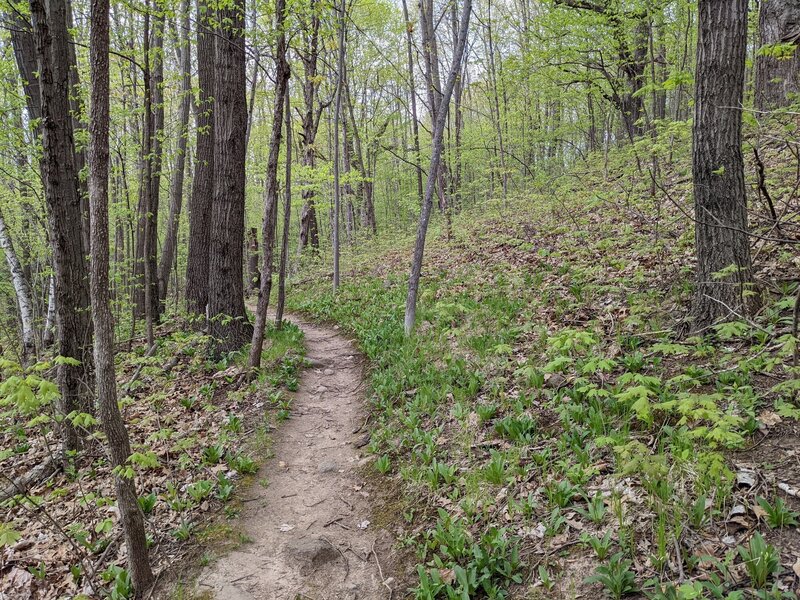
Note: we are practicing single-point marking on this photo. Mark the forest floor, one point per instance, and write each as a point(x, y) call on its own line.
point(308, 523)
point(198, 435)
point(555, 429)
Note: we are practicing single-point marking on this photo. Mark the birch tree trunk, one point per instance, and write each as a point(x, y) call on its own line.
point(22, 290)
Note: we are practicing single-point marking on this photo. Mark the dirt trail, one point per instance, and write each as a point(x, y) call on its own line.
point(310, 530)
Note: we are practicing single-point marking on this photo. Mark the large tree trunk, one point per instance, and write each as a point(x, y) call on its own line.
point(337, 190)
point(309, 229)
point(176, 181)
point(229, 326)
point(271, 193)
point(777, 78)
point(147, 302)
point(717, 163)
point(203, 184)
point(61, 187)
point(22, 290)
point(110, 417)
point(436, 157)
point(79, 127)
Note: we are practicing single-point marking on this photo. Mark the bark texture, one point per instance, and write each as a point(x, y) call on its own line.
point(717, 164)
point(61, 187)
point(436, 157)
point(110, 417)
point(309, 229)
point(176, 181)
point(777, 79)
point(271, 192)
point(287, 213)
point(229, 326)
point(203, 184)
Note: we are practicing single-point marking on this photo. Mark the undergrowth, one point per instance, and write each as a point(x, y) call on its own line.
point(551, 404)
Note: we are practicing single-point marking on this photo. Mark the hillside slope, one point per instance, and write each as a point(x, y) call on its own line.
point(553, 419)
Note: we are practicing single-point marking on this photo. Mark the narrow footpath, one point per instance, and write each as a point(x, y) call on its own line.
point(309, 528)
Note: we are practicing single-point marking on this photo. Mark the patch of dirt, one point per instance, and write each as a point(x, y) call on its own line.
point(309, 524)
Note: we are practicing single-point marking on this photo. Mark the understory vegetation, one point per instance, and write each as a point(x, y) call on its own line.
point(198, 433)
point(556, 428)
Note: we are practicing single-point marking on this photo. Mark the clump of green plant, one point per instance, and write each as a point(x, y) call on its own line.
point(120, 584)
point(561, 493)
point(760, 559)
point(383, 464)
point(600, 545)
point(212, 455)
point(200, 490)
point(487, 567)
point(243, 464)
point(778, 514)
point(486, 412)
point(520, 429)
point(495, 472)
point(616, 577)
point(148, 502)
point(595, 509)
point(184, 531)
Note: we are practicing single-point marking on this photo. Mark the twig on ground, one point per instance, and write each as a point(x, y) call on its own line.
point(380, 570)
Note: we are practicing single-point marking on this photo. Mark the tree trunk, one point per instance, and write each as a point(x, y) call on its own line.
point(64, 211)
point(271, 196)
point(176, 181)
point(48, 334)
point(717, 164)
point(287, 213)
point(22, 290)
point(229, 326)
point(25, 55)
point(337, 191)
point(309, 229)
point(197, 264)
point(147, 304)
point(253, 274)
point(436, 156)
point(413, 94)
point(110, 417)
point(777, 79)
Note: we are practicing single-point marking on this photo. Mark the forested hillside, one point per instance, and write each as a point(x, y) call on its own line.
point(465, 299)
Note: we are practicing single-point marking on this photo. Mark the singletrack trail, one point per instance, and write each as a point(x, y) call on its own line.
point(308, 529)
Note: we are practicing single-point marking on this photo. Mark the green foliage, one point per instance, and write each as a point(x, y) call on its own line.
point(616, 577)
point(760, 559)
point(778, 514)
point(120, 584)
point(600, 545)
point(383, 464)
point(8, 536)
point(148, 502)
